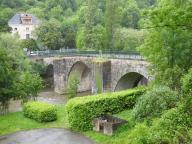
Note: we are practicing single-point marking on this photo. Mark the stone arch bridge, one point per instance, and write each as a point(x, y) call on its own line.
point(115, 74)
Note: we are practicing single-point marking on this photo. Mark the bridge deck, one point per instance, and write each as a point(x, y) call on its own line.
point(99, 54)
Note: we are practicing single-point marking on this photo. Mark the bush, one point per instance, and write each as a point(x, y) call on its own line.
point(82, 110)
point(172, 127)
point(139, 135)
point(40, 111)
point(73, 84)
point(187, 82)
point(154, 102)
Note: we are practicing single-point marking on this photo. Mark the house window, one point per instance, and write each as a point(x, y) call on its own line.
point(27, 28)
point(15, 29)
point(27, 36)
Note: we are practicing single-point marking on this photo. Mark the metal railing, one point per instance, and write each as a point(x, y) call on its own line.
point(81, 53)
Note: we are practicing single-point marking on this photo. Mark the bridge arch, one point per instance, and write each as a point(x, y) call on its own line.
point(49, 78)
point(130, 80)
point(83, 72)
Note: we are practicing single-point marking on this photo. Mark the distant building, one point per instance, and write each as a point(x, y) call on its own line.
point(23, 24)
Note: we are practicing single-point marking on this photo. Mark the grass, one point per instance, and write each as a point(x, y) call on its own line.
point(119, 135)
point(14, 122)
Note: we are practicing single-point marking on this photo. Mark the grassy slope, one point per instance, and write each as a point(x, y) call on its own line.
point(16, 122)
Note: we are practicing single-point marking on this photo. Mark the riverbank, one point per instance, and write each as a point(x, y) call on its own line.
point(15, 122)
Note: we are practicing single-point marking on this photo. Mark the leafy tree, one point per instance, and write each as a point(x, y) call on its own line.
point(98, 38)
point(16, 80)
point(128, 39)
point(29, 86)
point(154, 102)
point(145, 3)
point(5, 15)
point(73, 84)
point(7, 80)
point(110, 21)
point(69, 29)
point(49, 34)
point(168, 44)
point(187, 82)
point(30, 44)
point(14, 50)
point(38, 12)
point(130, 14)
point(90, 22)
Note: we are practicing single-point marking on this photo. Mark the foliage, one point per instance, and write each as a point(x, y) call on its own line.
point(17, 81)
point(82, 110)
point(154, 102)
point(97, 41)
point(29, 86)
point(99, 83)
point(110, 22)
point(38, 68)
point(170, 128)
point(69, 31)
point(5, 14)
point(128, 39)
point(139, 135)
point(130, 14)
point(14, 122)
point(73, 84)
point(96, 19)
point(30, 44)
point(11, 64)
point(168, 44)
point(187, 82)
point(7, 80)
point(42, 112)
point(49, 34)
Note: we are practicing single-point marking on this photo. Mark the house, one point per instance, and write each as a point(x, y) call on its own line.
point(23, 24)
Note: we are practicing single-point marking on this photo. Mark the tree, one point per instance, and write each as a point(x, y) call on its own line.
point(16, 78)
point(5, 15)
point(29, 86)
point(130, 14)
point(111, 22)
point(69, 29)
point(90, 22)
point(73, 84)
point(30, 44)
point(98, 38)
point(49, 34)
point(128, 39)
point(7, 80)
point(168, 44)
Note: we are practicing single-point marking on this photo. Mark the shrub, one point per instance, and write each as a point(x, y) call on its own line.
point(82, 110)
point(40, 111)
point(187, 82)
point(154, 102)
point(139, 135)
point(172, 127)
point(73, 84)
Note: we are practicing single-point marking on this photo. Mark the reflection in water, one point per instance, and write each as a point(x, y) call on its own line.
point(47, 95)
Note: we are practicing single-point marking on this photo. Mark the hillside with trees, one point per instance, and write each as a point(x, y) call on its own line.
point(90, 24)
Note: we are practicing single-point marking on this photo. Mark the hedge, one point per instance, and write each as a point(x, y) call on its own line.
point(40, 111)
point(82, 110)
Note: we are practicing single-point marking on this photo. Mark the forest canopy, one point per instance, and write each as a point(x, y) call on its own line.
point(83, 24)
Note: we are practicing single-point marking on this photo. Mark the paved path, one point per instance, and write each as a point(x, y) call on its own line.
point(45, 136)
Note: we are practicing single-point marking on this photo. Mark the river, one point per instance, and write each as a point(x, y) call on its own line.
point(47, 95)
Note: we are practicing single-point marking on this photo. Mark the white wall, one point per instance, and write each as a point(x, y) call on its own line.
point(22, 30)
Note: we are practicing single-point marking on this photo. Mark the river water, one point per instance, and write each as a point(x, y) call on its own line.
point(47, 95)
